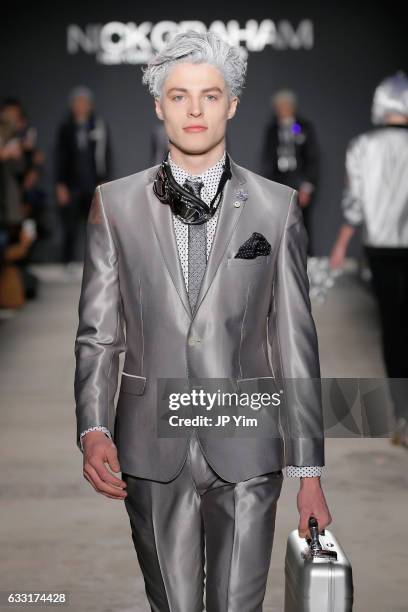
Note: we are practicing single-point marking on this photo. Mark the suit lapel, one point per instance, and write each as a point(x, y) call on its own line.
point(164, 229)
point(227, 221)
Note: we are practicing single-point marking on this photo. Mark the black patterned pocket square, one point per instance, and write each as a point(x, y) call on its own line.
point(254, 246)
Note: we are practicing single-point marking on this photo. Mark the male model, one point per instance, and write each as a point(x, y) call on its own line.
point(204, 265)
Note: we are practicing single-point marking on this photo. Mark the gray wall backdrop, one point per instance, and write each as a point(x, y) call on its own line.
point(355, 46)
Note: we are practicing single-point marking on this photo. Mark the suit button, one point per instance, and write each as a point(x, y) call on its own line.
point(193, 341)
point(237, 204)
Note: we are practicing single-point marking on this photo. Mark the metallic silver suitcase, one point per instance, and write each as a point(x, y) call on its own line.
point(318, 575)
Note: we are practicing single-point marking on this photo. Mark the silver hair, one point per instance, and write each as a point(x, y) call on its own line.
point(391, 96)
point(83, 91)
point(285, 94)
point(197, 48)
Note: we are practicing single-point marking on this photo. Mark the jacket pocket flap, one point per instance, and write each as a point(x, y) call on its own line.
point(132, 384)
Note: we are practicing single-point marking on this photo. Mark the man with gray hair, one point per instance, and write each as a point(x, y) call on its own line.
point(83, 160)
point(290, 153)
point(204, 263)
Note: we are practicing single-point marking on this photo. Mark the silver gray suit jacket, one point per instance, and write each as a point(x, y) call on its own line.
point(252, 323)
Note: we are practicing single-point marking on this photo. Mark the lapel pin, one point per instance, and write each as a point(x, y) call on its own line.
point(241, 195)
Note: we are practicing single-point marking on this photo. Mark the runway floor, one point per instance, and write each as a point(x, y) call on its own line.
point(58, 535)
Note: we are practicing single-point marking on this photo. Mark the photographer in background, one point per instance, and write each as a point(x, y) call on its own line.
point(17, 233)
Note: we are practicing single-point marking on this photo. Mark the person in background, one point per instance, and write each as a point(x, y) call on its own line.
point(33, 198)
point(12, 163)
point(83, 161)
point(376, 197)
point(290, 152)
point(16, 239)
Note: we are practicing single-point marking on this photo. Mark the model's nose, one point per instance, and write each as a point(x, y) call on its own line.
point(195, 109)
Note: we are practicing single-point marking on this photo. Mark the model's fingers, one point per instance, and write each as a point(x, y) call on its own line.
point(104, 473)
point(89, 479)
point(303, 527)
point(112, 457)
point(104, 487)
point(94, 487)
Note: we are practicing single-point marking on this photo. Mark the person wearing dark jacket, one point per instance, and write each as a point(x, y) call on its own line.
point(83, 160)
point(290, 152)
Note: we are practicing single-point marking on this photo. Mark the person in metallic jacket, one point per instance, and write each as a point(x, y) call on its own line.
point(376, 198)
point(196, 270)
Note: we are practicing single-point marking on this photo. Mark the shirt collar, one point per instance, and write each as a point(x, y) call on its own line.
point(210, 177)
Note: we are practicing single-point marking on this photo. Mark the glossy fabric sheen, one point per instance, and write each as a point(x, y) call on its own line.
point(376, 194)
point(252, 318)
point(173, 524)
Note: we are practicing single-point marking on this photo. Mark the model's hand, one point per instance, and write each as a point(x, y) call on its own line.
point(337, 256)
point(304, 197)
point(63, 194)
point(311, 502)
point(99, 450)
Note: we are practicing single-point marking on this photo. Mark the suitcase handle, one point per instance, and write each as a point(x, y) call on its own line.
point(314, 541)
point(315, 547)
point(313, 525)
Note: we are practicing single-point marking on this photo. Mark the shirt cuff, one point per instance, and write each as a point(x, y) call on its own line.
point(96, 428)
point(293, 471)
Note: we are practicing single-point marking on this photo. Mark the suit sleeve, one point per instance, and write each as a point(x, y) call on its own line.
point(294, 347)
point(352, 200)
point(100, 336)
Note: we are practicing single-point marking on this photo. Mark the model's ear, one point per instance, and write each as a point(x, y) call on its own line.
point(158, 108)
point(232, 107)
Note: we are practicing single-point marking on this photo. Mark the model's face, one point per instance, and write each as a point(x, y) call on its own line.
point(81, 107)
point(284, 108)
point(11, 115)
point(195, 107)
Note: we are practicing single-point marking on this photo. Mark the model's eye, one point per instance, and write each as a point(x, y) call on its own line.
point(177, 98)
point(211, 97)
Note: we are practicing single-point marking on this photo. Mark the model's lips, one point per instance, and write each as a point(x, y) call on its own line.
point(195, 128)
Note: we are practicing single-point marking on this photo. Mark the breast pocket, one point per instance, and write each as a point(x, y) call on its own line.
point(261, 260)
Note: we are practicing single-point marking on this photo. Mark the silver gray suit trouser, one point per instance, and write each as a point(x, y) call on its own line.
point(199, 526)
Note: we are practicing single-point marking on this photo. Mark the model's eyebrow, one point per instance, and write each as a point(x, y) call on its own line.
point(176, 89)
point(184, 90)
